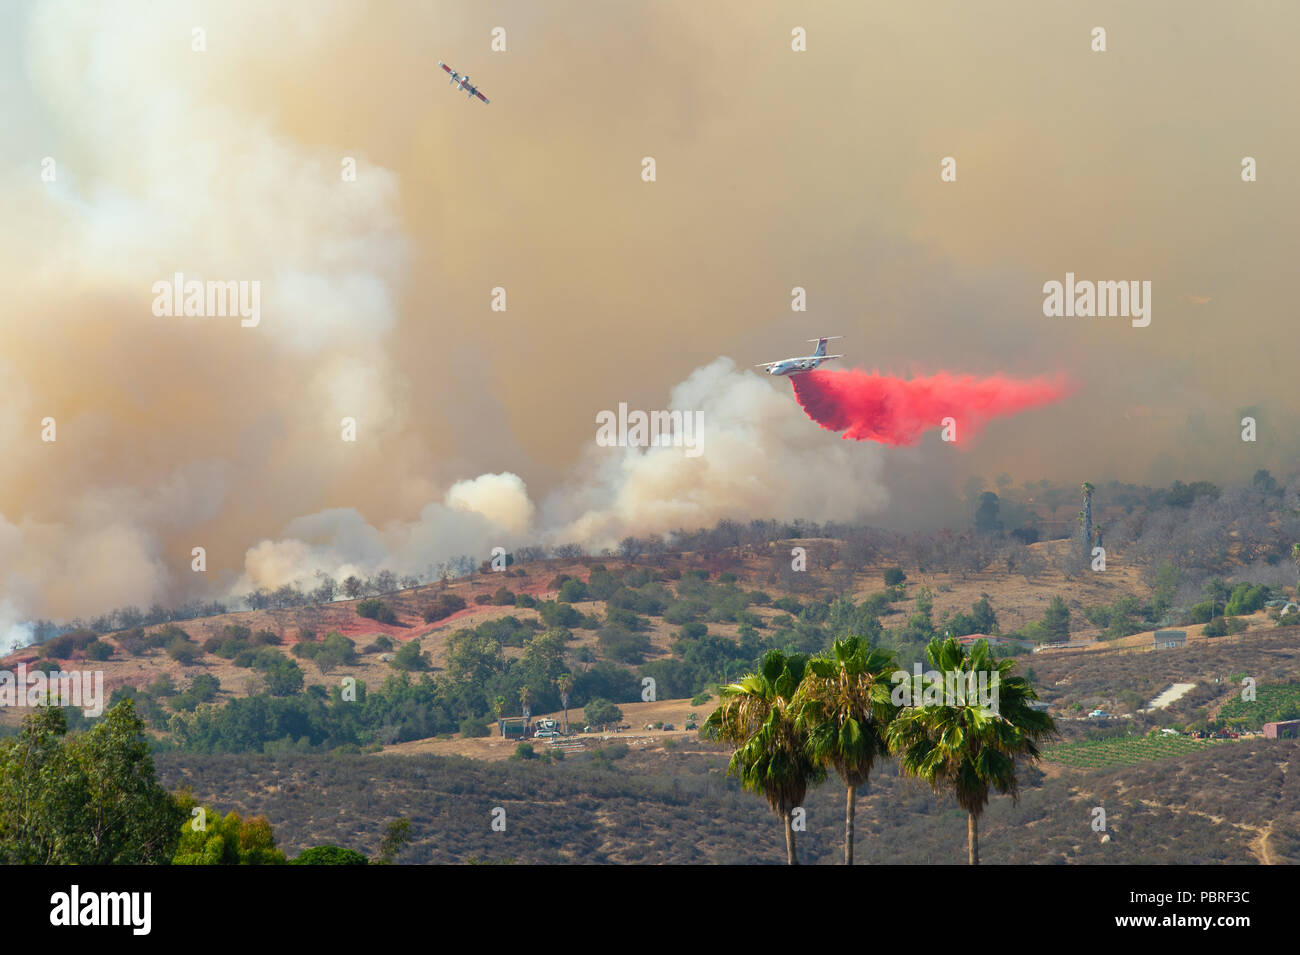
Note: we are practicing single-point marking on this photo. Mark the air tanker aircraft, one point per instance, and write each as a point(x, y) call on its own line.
point(797, 366)
point(462, 82)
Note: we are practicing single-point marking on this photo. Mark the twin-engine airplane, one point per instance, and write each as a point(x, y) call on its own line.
point(462, 83)
point(797, 366)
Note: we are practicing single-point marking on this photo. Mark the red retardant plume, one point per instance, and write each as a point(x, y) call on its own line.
point(874, 407)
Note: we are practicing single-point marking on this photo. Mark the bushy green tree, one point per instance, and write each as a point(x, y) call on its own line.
point(1056, 621)
point(602, 712)
point(208, 838)
point(396, 836)
point(376, 609)
point(443, 605)
point(1246, 599)
point(330, 855)
point(573, 591)
point(410, 657)
point(1164, 588)
point(283, 676)
point(90, 799)
point(334, 651)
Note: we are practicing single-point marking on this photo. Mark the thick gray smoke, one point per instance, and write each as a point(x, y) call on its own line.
point(147, 139)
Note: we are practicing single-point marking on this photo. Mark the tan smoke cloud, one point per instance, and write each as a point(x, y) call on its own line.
point(475, 427)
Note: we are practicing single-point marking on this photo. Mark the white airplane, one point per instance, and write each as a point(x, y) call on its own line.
point(797, 366)
point(462, 83)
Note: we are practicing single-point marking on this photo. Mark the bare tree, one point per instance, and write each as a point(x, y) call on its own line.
point(325, 589)
point(629, 549)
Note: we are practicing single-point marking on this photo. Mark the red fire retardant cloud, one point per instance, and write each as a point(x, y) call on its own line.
point(868, 406)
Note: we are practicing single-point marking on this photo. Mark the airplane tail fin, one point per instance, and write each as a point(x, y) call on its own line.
point(821, 345)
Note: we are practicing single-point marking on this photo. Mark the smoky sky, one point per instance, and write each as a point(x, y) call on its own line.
point(775, 169)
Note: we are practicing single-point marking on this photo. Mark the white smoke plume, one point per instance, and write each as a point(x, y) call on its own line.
point(760, 457)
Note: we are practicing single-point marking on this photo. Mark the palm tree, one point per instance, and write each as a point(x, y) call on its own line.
point(771, 756)
point(844, 706)
point(565, 683)
point(961, 746)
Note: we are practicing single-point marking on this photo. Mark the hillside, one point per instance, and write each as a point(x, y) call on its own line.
point(1017, 601)
point(1236, 803)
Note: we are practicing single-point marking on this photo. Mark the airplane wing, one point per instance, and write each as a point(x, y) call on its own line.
point(446, 68)
point(480, 96)
point(766, 364)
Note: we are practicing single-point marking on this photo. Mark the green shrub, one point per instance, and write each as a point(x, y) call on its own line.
point(444, 605)
point(410, 657)
point(376, 609)
point(572, 591)
point(184, 652)
point(524, 751)
point(1246, 599)
point(602, 712)
point(556, 614)
point(789, 605)
point(330, 855)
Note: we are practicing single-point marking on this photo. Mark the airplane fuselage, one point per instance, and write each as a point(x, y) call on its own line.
point(795, 366)
point(798, 366)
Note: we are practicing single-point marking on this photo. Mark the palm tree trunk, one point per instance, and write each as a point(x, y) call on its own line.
point(848, 825)
point(791, 857)
point(973, 836)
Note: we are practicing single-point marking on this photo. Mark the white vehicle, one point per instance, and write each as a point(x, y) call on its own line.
point(546, 729)
point(1098, 715)
point(1169, 732)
